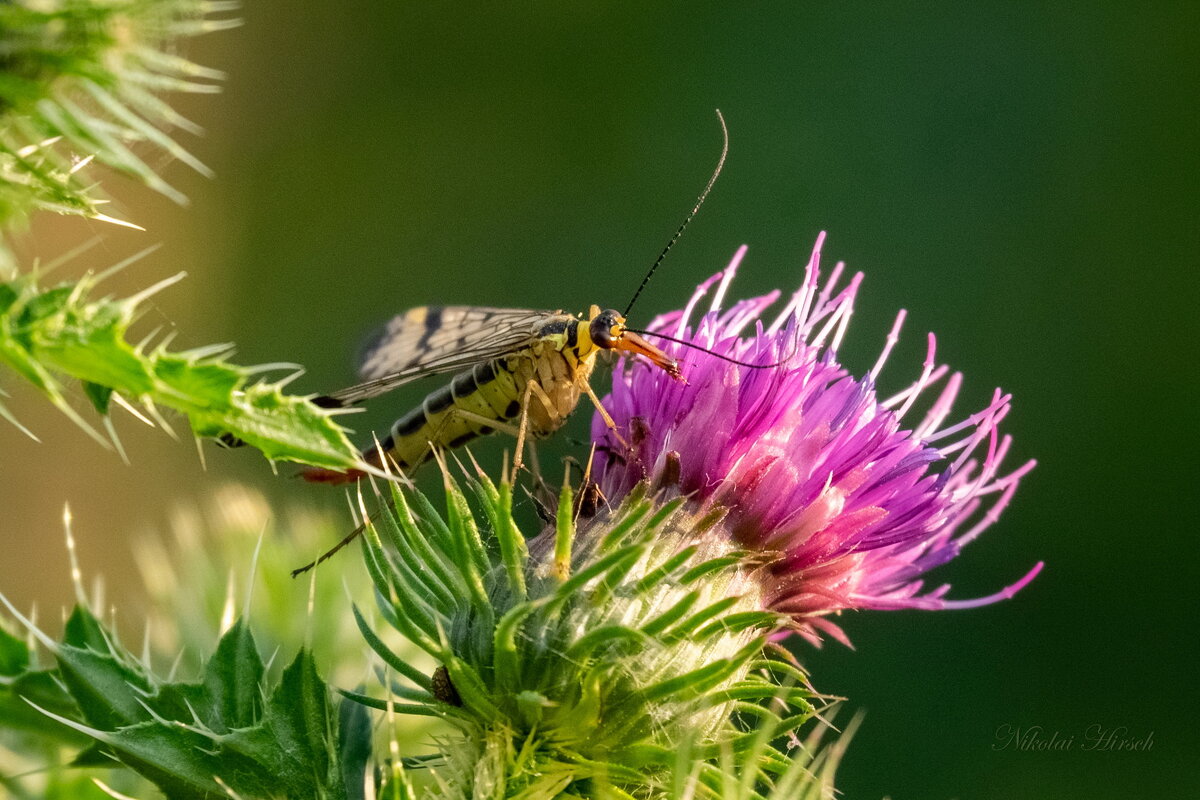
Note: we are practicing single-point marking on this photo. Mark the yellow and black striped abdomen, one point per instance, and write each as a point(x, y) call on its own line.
point(487, 390)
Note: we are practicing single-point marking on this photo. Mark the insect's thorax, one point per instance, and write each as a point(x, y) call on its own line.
point(558, 364)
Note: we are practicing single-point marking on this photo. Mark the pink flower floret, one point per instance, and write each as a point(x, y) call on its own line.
point(858, 501)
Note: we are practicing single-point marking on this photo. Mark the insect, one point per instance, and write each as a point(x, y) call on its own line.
point(519, 371)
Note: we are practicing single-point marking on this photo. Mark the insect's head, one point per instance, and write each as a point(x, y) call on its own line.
point(606, 327)
point(607, 330)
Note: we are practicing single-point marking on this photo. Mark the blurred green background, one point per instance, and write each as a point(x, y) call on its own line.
point(1023, 179)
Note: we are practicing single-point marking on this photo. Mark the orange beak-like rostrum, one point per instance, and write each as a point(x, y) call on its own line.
point(632, 343)
point(607, 330)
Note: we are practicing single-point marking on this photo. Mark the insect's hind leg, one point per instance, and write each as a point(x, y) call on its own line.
point(522, 428)
point(350, 537)
point(487, 424)
point(471, 416)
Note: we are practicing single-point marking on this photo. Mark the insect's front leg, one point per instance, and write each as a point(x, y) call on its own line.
point(604, 415)
point(553, 417)
point(590, 496)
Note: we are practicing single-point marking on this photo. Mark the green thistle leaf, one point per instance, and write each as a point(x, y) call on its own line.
point(64, 330)
point(21, 680)
point(14, 655)
point(80, 81)
point(192, 739)
point(294, 746)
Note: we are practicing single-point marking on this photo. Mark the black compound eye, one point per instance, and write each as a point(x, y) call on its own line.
point(605, 329)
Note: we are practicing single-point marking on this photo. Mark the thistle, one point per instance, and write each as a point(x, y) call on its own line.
point(857, 500)
point(241, 725)
point(580, 661)
point(622, 654)
point(83, 81)
point(50, 334)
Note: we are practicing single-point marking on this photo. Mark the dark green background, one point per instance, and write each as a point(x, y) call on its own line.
point(1022, 179)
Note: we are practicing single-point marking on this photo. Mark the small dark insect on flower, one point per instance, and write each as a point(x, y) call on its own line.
point(858, 498)
point(443, 689)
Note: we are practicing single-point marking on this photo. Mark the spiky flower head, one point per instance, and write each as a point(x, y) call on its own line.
point(579, 661)
point(858, 498)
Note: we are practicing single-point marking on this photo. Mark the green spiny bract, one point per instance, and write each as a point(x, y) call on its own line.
point(581, 661)
point(234, 732)
point(82, 81)
point(46, 333)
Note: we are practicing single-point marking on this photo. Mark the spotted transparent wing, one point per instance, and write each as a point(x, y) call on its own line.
point(436, 339)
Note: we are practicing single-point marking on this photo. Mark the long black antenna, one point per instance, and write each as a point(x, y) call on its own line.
point(699, 202)
point(730, 359)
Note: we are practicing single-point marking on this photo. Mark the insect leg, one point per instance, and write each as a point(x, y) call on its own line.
point(471, 416)
point(350, 537)
point(522, 429)
point(555, 416)
point(587, 504)
point(608, 420)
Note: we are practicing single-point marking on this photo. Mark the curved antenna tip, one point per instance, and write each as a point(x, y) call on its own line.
point(699, 202)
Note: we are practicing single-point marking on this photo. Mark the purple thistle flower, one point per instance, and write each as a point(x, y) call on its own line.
point(859, 501)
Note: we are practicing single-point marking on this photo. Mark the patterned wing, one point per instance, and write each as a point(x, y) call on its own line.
point(435, 339)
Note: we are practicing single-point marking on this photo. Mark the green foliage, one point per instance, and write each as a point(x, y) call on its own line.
point(82, 81)
point(233, 555)
point(580, 677)
point(231, 731)
point(807, 772)
point(629, 672)
point(22, 682)
point(64, 330)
